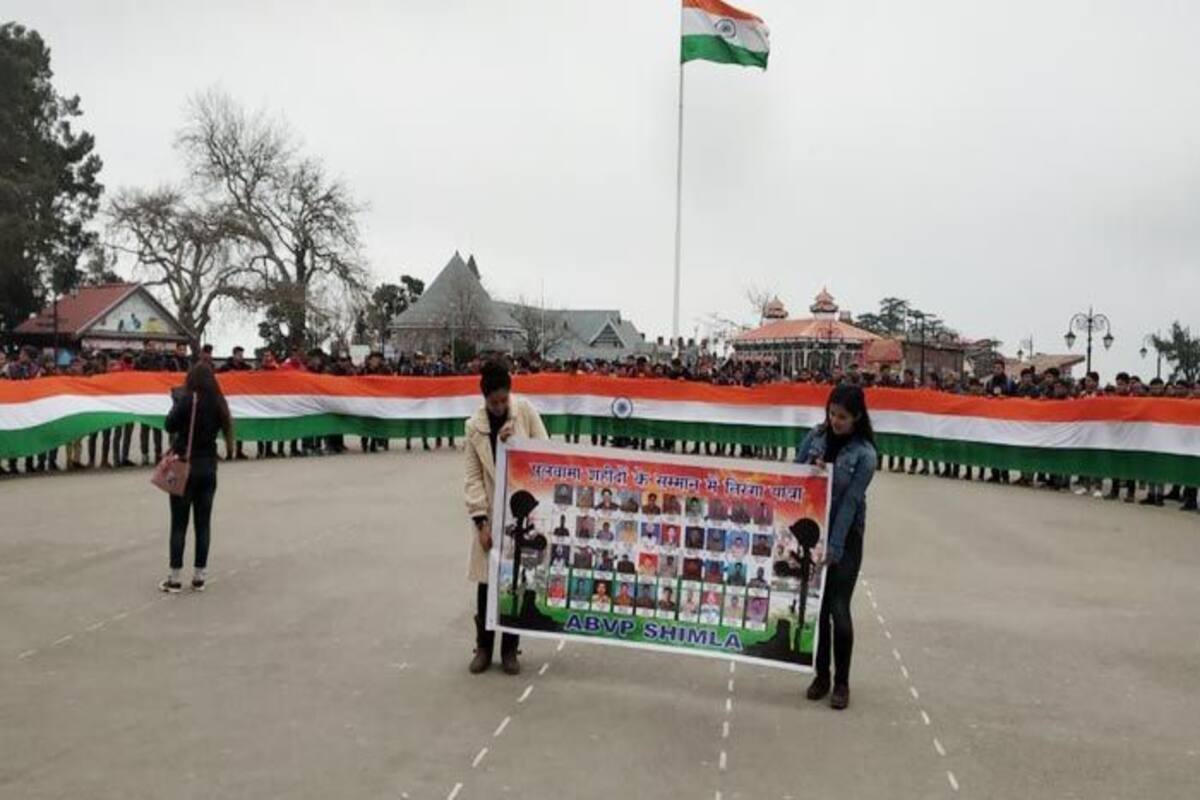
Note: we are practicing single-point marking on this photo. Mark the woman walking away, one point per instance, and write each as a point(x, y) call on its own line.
point(211, 417)
point(846, 442)
point(501, 417)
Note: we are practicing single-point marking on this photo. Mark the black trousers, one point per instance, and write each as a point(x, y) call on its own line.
point(197, 501)
point(126, 442)
point(485, 639)
point(144, 436)
point(840, 580)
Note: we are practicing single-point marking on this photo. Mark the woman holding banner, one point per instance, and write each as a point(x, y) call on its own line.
point(501, 416)
point(846, 442)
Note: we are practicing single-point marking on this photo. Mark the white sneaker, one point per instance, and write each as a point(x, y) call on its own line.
point(1081, 491)
point(1098, 493)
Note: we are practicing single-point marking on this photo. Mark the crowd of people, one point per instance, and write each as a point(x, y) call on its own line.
point(114, 448)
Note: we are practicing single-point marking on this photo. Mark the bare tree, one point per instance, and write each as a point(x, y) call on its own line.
point(544, 329)
point(760, 297)
point(462, 317)
point(300, 225)
point(188, 249)
point(721, 331)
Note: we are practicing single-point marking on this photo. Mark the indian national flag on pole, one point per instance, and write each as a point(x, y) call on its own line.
point(716, 31)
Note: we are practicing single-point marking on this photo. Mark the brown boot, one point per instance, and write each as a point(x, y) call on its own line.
point(509, 663)
point(840, 697)
point(481, 661)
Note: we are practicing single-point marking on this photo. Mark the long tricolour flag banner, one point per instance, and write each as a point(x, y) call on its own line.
point(1146, 439)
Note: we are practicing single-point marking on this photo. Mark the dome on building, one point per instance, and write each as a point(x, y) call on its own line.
point(823, 303)
point(775, 310)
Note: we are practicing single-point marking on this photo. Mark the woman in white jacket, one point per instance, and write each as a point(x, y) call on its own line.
point(501, 416)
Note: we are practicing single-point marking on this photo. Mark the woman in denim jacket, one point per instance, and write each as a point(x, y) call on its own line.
point(846, 442)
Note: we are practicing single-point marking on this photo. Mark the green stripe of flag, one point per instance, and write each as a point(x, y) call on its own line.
point(1124, 465)
point(714, 48)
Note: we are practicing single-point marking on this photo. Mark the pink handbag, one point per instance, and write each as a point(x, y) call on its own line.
point(171, 473)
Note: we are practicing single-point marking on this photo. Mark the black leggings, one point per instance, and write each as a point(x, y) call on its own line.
point(198, 500)
point(840, 579)
point(485, 639)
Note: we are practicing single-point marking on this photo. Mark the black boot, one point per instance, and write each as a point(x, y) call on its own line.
point(818, 688)
point(840, 697)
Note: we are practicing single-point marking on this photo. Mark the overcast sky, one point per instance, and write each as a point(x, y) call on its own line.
point(1002, 164)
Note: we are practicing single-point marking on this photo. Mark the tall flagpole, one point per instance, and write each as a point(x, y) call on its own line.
point(678, 214)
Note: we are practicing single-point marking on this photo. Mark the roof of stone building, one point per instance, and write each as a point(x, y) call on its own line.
point(455, 293)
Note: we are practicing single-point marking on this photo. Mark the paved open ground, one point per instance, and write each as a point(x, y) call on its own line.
point(1011, 644)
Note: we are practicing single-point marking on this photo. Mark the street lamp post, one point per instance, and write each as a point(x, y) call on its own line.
point(1147, 342)
point(1089, 323)
point(1026, 346)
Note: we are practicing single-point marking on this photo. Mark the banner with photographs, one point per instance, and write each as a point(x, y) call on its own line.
point(699, 555)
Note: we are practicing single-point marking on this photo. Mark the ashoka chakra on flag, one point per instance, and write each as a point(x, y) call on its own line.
point(716, 31)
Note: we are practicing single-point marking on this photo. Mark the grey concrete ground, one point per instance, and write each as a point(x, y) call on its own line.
point(1011, 644)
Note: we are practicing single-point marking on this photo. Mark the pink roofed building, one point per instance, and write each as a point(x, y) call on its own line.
point(827, 339)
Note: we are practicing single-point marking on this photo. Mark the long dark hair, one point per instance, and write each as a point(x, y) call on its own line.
point(852, 398)
point(202, 382)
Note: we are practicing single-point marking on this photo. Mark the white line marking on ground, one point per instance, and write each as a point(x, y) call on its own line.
point(888, 634)
point(732, 667)
point(95, 626)
point(728, 704)
point(502, 726)
point(478, 757)
point(723, 762)
point(904, 671)
point(454, 792)
point(717, 796)
point(896, 654)
point(119, 617)
point(953, 781)
point(937, 745)
point(880, 618)
point(26, 654)
point(925, 718)
point(525, 694)
point(63, 639)
point(731, 684)
point(913, 691)
point(725, 729)
point(545, 667)
point(561, 644)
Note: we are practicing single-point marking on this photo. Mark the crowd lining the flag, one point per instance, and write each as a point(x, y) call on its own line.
point(115, 447)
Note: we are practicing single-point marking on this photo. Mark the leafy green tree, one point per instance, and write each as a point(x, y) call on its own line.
point(388, 300)
point(48, 179)
point(892, 319)
point(1180, 349)
point(99, 268)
